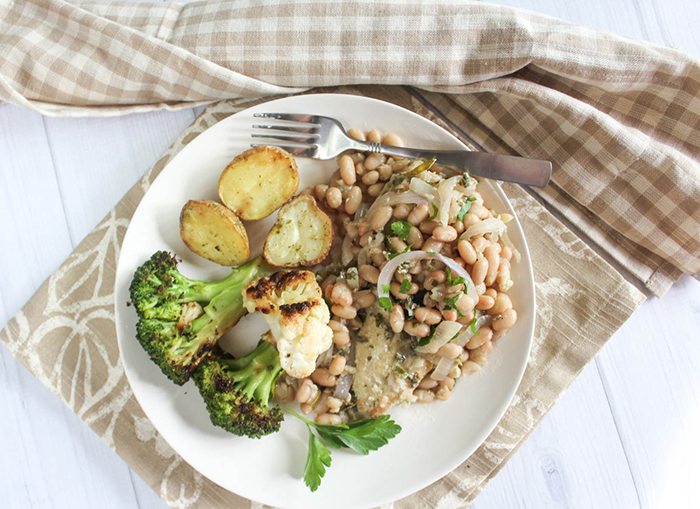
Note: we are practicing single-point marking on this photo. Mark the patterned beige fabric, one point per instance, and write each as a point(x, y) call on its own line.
point(618, 118)
point(66, 336)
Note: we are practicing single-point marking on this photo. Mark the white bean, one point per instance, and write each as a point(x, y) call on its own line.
point(381, 217)
point(347, 170)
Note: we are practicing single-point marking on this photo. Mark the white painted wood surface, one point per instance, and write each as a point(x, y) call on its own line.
point(625, 435)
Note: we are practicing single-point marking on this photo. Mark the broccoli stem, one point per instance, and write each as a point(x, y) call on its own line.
point(256, 373)
point(225, 308)
point(206, 291)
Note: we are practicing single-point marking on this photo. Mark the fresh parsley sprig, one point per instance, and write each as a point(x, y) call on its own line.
point(360, 436)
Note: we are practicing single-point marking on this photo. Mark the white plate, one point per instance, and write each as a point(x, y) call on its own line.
point(435, 439)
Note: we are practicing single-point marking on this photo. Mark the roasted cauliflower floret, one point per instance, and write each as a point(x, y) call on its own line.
point(292, 304)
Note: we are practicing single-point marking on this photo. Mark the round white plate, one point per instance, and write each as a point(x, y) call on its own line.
point(436, 437)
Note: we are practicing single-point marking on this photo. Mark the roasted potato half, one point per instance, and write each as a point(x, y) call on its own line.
point(258, 181)
point(211, 230)
point(302, 235)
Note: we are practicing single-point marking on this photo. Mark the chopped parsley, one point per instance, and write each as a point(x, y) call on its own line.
point(427, 339)
point(401, 229)
point(472, 325)
point(386, 288)
point(406, 285)
point(456, 281)
point(408, 248)
point(385, 302)
point(451, 303)
point(436, 211)
point(465, 208)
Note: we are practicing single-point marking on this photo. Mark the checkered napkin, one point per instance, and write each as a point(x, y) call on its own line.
point(619, 119)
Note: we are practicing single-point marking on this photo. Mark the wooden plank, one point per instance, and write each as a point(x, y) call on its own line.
point(620, 17)
point(34, 234)
point(573, 459)
point(651, 373)
point(146, 498)
point(44, 455)
point(675, 23)
point(97, 160)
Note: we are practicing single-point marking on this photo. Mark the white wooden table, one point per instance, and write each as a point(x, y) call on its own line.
point(625, 435)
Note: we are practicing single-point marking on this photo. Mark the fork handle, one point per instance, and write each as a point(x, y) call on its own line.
point(531, 172)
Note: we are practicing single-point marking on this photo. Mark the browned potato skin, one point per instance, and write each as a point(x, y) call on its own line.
point(327, 227)
point(214, 232)
point(258, 182)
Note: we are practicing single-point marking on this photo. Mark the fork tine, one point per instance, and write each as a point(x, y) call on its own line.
point(296, 129)
point(296, 151)
point(293, 139)
point(294, 117)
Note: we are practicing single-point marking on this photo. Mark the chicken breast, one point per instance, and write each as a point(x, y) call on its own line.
point(387, 368)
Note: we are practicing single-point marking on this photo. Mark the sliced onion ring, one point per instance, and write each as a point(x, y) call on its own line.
point(342, 387)
point(489, 226)
point(387, 273)
point(467, 333)
point(442, 369)
point(445, 365)
point(444, 332)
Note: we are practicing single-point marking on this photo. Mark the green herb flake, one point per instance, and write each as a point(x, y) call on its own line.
point(451, 303)
point(436, 211)
point(408, 248)
point(385, 302)
point(427, 339)
point(406, 286)
point(456, 281)
point(386, 288)
point(472, 325)
point(465, 208)
point(401, 229)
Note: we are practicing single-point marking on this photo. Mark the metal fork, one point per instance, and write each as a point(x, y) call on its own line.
point(325, 138)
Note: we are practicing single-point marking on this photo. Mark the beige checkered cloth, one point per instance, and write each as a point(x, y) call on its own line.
point(619, 119)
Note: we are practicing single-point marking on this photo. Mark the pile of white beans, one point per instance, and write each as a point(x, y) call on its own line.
point(360, 178)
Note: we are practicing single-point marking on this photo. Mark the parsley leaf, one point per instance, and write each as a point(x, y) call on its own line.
point(435, 212)
point(465, 208)
point(456, 281)
point(401, 229)
point(385, 302)
point(406, 285)
point(451, 303)
point(386, 288)
point(360, 436)
point(427, 339)
point(317, 460)
point(472, 324)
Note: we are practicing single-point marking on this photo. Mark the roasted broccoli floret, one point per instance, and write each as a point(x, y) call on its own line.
point(237, 392)
point(182, 319)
